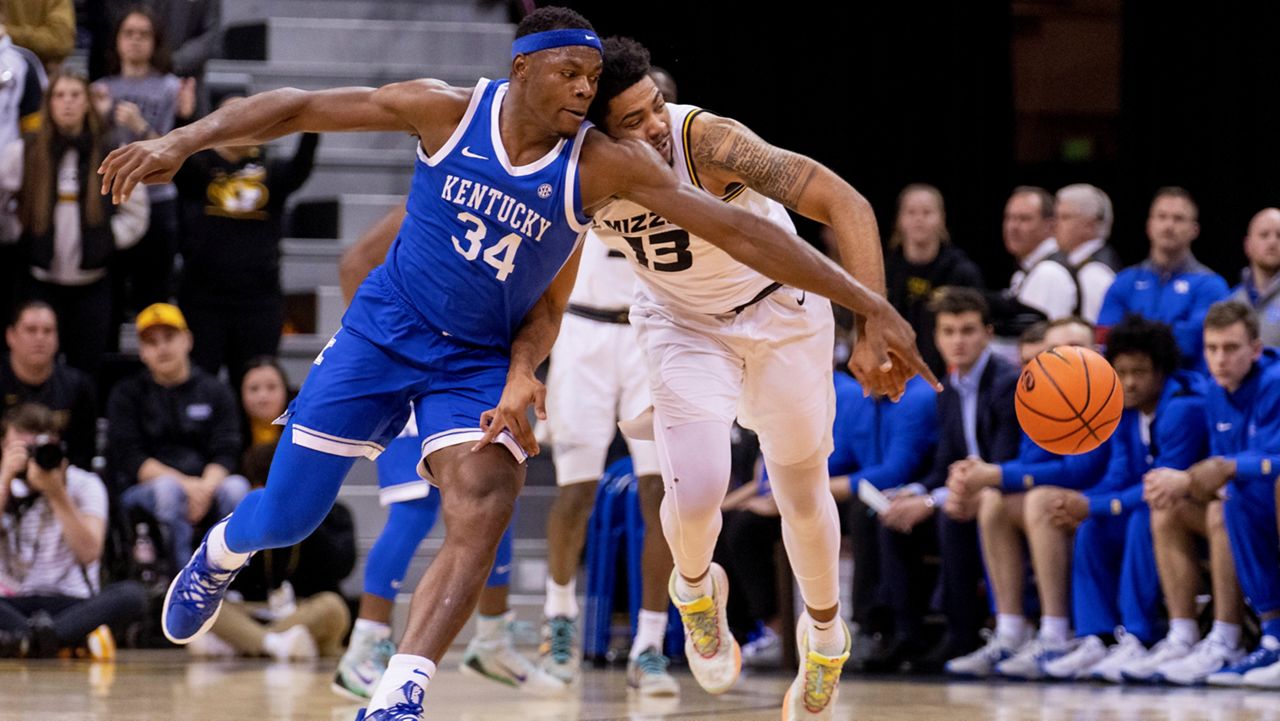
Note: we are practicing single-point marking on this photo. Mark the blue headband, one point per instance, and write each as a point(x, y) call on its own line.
point(555, 39)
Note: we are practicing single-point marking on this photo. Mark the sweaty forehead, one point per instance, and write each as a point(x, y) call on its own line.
point(574, 57)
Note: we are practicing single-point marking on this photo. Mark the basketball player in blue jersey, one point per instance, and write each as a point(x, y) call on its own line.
point(466, 306)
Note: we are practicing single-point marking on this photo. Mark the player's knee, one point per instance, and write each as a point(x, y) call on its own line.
point(1038, 502)
point(1164, 523)
point(991, 508)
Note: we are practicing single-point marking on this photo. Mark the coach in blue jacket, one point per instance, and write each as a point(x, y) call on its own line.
point(1170, 286)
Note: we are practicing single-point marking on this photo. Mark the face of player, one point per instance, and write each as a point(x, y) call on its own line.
point(1171, 226)
point(961, 338)
point(166, 352)
point(1262, 244)
point(559, 85)
point(1069, 334)
point(1025, 228)
point(1230, 354)
point(1073, 224)
point(920, 218)
point(33, 340)
point(640, 113)
point(262, 394)
point(136, 41)
point(1141, 382)
point(69, 104)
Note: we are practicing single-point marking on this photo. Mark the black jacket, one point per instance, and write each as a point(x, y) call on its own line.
point(68, 393)
point(910, 287)
point(999, 435)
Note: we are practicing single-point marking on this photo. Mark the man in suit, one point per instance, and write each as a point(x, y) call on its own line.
point(975, 418)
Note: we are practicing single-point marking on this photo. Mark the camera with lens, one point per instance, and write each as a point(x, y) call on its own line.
point(47, 452)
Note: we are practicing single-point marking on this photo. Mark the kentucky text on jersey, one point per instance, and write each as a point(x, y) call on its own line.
point(636, 223)
point(497, 205)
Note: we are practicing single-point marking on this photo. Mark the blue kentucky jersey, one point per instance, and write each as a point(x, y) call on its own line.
point(482, 239)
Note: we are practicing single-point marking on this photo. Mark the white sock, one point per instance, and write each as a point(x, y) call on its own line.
point(561, 600)
point(404, 682)
point(1226, 633)
point(1184, 630)
point(377, 629)
point(1055, 629)
point(218, 553)
point(826, 637)
point(651, 632)
point(491, 628)
point(1010, 627)
point(691, 591)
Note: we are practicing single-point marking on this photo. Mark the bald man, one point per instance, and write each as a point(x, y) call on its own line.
point(1260, 281)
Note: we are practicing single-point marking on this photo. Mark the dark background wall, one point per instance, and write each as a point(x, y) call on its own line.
point(978, 97)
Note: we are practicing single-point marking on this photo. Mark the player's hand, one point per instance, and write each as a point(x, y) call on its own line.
point(1163, 487)
point(885, 355)
point(199, 497)
point(522, 390)
point(906, 512)
point(1208, 477)
point(146, 161)
point(13, 462)
point(1068, 509)
point(128, 115)
point(959, 508)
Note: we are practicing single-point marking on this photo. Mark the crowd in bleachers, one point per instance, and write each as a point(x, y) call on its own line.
point(1086, 566)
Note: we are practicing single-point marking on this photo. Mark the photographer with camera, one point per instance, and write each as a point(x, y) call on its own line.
point(51, 537)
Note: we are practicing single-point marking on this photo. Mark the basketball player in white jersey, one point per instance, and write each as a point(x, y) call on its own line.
point(724, 341)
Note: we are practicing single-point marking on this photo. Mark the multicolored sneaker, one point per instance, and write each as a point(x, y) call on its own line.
point(647, 674)
point(362, 666)
point(405, 705)
point(812, 696)
point(194, 598)
point(710, 648)
point(560, 655)
point(498, 660)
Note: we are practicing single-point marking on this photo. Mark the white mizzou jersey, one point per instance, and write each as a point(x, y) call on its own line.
point(673, 267)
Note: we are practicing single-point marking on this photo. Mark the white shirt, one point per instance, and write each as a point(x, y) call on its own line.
point(36, 557)
point(1095, 278)
point(1047, 287)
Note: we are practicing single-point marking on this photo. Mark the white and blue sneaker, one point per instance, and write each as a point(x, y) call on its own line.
point(1208, 657)
point(362, 666)
point(194, 598)
point(405, 705)
point(1267, 654)
point(1030, 660)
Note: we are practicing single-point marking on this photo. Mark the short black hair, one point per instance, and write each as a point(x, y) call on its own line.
point(25, 306)
point(1174, 191)
point(626, 62)
point(1151, 338)
point(552, 18)
point(955, 300)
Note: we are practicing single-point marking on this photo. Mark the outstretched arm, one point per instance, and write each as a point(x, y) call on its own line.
point(427, 108)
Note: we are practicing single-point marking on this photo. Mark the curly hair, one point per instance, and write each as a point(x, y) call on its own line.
point(1153, 339)
point(552, 18)
point(626, 62)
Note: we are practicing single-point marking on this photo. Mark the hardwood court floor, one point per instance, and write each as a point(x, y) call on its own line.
point(164, 686)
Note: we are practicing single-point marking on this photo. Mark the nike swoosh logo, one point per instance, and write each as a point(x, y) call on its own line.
point(365, 679)
point(466, 153)
point(502, 569)
point(420, 672)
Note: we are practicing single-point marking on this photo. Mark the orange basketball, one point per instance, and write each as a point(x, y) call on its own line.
point(1069, 400)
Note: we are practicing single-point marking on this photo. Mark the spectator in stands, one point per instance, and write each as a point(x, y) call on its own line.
point(289, 604)
point(1170, 286)
point(70, 232)
point(1115, 592)
point(1005, 509)
point(232, 203)
point(1244, 418)
point(922, 259)
point(51, 538)
point(264, 396)
point(193, 27)
point(876, 440)
point(33, 374)
point(20, 99)
point(975, 417)
point(1082, 225)
point(173, 433)
point(46, 27)
point(1260, 280)
point(141, 98)
point(1041, 287)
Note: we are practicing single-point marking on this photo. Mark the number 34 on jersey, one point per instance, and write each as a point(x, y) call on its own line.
point(501, 208)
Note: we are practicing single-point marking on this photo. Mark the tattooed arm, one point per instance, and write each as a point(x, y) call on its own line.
point(726, 152)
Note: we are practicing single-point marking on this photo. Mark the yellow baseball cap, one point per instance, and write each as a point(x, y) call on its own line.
point(160, 314)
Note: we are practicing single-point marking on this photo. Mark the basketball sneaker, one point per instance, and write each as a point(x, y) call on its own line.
point(1088, 652)
point(1208, 657)
point(101, 644)
point(1267, 653)
point(405, 705)
point(647, 674)
point(1127, 650)
point(362, 666)
point(560, 655)
point(1142, 669)
point(982, 662)
point(812, 695)
point(1264, 677)
point(498, 660)
point(194, 598)
point(710, 648)
point(1030, 660)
